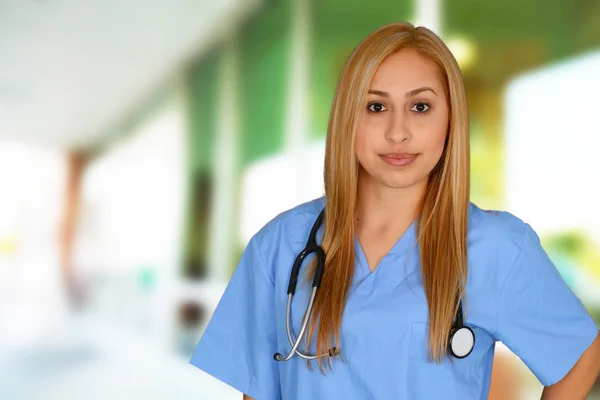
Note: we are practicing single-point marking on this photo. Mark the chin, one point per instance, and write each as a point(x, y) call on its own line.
point(393, 179)
point(398, 182)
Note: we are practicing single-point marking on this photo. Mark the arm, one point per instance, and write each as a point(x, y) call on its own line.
point(544, 323)
point(247, 398)
point(238, 343)
point(505, 377)
point(579, 380)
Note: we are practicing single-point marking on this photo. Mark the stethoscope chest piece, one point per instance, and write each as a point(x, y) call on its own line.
point(462, 342)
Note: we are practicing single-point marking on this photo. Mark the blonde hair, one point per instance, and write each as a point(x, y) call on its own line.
point(442, 227)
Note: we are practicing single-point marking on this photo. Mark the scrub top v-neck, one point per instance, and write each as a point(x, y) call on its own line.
point(368, 283)
point(514, 295)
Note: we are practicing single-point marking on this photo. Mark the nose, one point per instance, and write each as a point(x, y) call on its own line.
point(397, 130)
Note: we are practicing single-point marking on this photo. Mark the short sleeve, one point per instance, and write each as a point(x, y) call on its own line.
point(238, 344)
point(539, 317)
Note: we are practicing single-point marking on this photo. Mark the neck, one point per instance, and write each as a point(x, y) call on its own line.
point(385, 209)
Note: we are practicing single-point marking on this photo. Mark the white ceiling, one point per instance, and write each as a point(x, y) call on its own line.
point(71, 70)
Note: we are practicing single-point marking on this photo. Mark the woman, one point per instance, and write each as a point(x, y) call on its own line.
point(418, 282)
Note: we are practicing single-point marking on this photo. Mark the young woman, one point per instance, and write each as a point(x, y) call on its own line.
point(415, 282)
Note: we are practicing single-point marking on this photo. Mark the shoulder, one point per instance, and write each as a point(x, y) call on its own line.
point(505, 238)
point(495, 224)
point(287, 230)
point(290, 220)
point(498, 236)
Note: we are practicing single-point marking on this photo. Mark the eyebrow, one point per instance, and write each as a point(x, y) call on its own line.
point(407, 94)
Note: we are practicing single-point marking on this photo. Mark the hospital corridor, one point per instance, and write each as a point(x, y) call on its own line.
point(144, 143)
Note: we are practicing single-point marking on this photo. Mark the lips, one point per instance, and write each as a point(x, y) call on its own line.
point(399, 156)
point(399, 159)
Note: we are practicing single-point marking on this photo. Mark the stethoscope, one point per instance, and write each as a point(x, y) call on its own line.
point(460, 342)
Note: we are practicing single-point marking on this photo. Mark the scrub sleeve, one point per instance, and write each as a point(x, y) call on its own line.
point(539, 317)
point(238, 344)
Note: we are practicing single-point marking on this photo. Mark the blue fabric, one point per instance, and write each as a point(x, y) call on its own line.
point(514, 294)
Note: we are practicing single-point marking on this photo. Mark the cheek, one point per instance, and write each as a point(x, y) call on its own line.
point(361, 142)
point(437, 131)
point(436, 140)
point(438, 143)
point(429, 137)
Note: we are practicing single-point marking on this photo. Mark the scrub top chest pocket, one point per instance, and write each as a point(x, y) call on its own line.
point(452, 378)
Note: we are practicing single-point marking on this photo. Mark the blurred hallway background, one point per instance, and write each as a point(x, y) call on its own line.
point(143, 143)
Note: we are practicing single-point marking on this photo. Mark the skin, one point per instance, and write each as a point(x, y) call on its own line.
point(406, 112)
point(578, 382)
point(402, 117)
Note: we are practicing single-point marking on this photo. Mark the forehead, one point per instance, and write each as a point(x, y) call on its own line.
point(406, 70)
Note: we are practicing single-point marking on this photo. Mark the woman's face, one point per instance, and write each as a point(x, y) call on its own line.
point(402, 132)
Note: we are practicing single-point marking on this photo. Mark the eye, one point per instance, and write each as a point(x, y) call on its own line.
point(376, 107)
point(421, 108)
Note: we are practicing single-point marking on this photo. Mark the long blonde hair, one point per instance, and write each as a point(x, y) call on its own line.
point(442, 227)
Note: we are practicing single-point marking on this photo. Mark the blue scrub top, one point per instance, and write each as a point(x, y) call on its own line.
point(514, 295)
